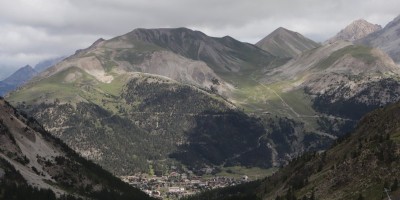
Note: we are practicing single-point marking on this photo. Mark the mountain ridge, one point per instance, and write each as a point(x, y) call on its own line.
point(198, 46)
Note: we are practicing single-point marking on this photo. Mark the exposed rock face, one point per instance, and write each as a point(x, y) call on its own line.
point(387, 39)
point(286, 43)
point(354, 31)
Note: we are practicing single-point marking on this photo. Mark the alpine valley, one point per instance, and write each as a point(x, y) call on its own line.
point(157, 100)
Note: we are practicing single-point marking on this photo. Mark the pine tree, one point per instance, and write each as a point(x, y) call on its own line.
point(395, 185)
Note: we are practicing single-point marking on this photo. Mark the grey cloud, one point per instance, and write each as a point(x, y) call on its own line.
point(44, 28)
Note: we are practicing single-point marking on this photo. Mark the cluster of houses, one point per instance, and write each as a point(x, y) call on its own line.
point(176, 185)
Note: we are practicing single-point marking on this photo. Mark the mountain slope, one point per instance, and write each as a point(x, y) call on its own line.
point(18, 78)
point(360, 165)
point(31, 157)
point(148, 82)
point(387, 39)
point(339, 72)
point(285, 43)
point(356, 30)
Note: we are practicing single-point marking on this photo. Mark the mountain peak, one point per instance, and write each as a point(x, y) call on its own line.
point(282, 29)
point(286, 43)
point(21, 76)
point(356, 30)
point(386, 39)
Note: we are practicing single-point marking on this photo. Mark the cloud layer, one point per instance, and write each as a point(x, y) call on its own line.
point(33, 30)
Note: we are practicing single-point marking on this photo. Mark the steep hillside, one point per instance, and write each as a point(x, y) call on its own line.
point(286, 44)
point(35, 165)
point(359, 166)
point(356, 30)
point(387, 39)
point(18, 78)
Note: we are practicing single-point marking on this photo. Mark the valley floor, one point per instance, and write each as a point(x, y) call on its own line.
point(176, 185)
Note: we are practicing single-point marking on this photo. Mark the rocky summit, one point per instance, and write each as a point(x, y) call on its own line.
point(386, 39)
point(356, 30)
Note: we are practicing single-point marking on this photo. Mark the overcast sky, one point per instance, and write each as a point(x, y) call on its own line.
point(34, 30)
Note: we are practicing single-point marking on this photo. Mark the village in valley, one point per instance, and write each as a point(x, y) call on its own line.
point(176, 185)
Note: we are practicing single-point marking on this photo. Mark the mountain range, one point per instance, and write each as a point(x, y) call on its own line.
point(157, 98)
point(361, 164)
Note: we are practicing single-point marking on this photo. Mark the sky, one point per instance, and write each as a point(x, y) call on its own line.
point(34, 30)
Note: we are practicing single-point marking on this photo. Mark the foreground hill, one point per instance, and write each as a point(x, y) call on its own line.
point(359, 166)
point(35, 165)
point(286, 44)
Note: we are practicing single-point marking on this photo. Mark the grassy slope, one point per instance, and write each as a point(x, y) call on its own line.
point(359, 52)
